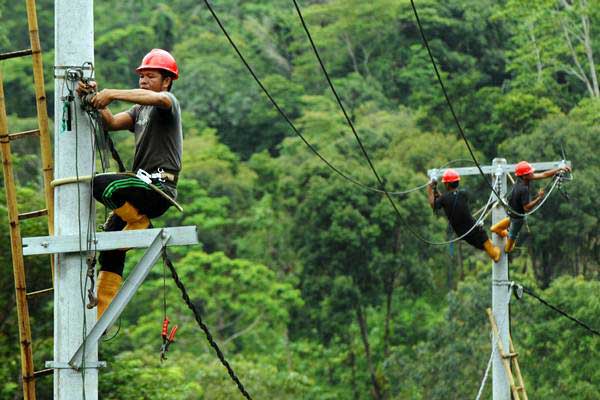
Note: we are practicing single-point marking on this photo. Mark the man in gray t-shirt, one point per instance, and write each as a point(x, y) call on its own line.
point(155, 120)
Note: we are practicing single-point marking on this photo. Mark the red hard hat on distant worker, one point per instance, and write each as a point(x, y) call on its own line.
point(450, 176)
point(159, 59)
point(524, 168)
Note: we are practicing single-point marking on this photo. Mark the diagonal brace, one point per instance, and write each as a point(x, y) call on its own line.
point(133, 282)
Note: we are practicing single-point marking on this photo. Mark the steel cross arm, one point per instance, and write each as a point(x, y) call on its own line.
point(160, 239)
point(508, 168)
point(182, 235)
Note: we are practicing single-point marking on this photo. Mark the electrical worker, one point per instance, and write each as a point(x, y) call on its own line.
point(521, 202)
point(456, 207)
point(155, 120)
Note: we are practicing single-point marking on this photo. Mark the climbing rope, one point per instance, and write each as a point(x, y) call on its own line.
point(202, 325)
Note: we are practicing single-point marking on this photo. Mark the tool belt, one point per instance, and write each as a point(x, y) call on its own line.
point(161, 175)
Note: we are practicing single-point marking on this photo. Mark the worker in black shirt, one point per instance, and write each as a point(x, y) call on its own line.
point(456, 206)
point(520, 202)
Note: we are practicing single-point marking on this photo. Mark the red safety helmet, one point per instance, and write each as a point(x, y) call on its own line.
point(524, 168)
point(450, 176)
point(159, 59)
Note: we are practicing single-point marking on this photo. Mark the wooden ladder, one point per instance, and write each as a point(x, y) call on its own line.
point(28, 372)
point(518, 392)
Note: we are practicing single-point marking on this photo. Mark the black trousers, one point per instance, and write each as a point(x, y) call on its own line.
point(476, 238)
point(113, 191)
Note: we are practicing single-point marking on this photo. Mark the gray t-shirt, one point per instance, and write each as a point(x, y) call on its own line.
point(158, 138)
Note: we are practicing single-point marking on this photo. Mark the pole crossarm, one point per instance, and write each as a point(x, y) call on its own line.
point(159, 238)
point(506, 168)
point(182, 235)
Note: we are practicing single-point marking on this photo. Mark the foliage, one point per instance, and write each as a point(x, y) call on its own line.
point(314, 287)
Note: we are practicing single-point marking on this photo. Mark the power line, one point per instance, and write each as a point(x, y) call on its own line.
point(448, 102)
point(289, 121)
point(558, 310)
point(203, 326)
point(357, 137)
point(454, 116)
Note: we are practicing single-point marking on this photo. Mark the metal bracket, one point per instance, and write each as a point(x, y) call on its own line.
point(182, 235)
point(64, 365)
point(133, 282)
point(489, 169)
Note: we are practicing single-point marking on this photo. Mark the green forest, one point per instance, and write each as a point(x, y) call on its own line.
point(314, 287)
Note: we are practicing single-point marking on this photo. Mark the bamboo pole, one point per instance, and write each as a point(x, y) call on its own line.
point(503, 356)
point(42, 113)
point(518, 371)
point(27, 371)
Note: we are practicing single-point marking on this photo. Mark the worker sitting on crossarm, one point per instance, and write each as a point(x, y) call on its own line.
point(520, 202)
point(155, 120)
point(456, 207)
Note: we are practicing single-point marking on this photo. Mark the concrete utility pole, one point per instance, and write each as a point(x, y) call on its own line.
point(74, 45)
point(500, 284)
point(75, 361)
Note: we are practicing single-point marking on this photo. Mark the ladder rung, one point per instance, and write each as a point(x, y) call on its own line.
point(38, 293)
point(43, 372)
point(520, 388)
point(24, 134)
point(509, 355)
point(33, 214)
point(15, 54)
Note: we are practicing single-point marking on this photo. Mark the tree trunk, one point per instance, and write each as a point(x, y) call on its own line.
point(362, 324)
point(352, 359)
point(587, 44)
point(388, 317)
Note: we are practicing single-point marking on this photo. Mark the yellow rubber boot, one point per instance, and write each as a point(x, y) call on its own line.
point(132, 216)
point(491, 250)
point(108, 286)
point(510, 245)
point(501, 228)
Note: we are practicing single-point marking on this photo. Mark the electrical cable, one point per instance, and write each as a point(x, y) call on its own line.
point(288, 120)
point(202, 325)
point(82, 286)
point(451, 108)
point(558, 310)
point(357, 137)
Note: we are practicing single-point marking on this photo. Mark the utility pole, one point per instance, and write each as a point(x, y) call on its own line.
point(501, 287)
point(74, 45)
point(75, 361)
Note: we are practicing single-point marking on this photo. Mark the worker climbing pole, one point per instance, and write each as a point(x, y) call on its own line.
point(155, 119)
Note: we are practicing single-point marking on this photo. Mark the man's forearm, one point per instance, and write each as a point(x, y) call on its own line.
point(141, 96)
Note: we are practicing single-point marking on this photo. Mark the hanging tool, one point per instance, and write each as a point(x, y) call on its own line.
point(167, 339)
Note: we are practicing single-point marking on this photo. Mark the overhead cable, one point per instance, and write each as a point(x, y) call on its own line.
point(202, 325)
point(558, 310)
point(454, 116)
point(357, 137)
point(289, 121)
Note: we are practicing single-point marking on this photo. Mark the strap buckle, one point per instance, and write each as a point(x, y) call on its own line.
point(147, 177)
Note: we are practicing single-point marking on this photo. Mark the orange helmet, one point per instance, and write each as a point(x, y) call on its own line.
point(450, 176)
point(524, 168)
point(159, 59)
